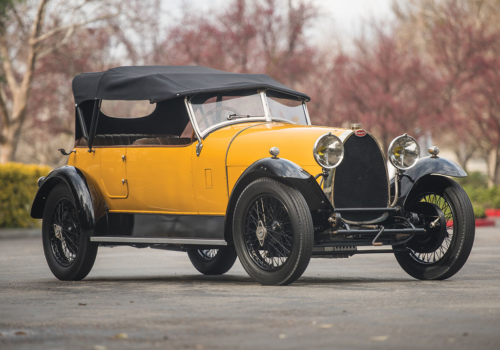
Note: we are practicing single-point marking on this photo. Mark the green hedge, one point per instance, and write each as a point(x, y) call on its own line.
point(18, 186)
point(482, 197)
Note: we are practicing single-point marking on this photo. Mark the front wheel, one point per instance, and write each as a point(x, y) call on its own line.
point(212, 261)
point(446, 213)
point(273, 232)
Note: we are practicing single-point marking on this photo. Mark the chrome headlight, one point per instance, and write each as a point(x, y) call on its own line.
point(404, 152)
point(328, 151)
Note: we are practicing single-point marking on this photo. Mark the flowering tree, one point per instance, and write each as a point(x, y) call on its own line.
point(258, 37)
point(385, 86)
point(460, 40)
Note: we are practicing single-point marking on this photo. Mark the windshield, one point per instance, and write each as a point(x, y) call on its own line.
point(286, 107)
point(212, 109)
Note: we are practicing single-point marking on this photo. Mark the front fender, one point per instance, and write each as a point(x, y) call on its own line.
point(288, 173)
point(427, 166)
point(86, 199)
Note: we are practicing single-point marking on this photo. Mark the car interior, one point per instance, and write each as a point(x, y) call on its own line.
point(167, 125)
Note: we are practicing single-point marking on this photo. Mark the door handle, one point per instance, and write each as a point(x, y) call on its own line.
point(124, 181)
point(124, 158)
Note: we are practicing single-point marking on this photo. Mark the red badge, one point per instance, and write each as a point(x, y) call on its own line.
point(360, 133)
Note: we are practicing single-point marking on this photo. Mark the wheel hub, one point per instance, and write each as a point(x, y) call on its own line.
point(261, 233)
point(435, 227)
point(58, 230)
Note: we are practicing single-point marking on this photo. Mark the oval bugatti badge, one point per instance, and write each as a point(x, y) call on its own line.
point(360, 133)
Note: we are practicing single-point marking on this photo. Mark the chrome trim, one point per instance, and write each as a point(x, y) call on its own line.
point(314, 151)
point(267, 111)
point(307, 112)
point(389, 152)
point(374, 221)
point(345, 135)
point(434, 151)
point(139, 240)
point(192, 118)
point(396, 190)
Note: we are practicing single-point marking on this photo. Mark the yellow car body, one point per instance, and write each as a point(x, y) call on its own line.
point(173, 180)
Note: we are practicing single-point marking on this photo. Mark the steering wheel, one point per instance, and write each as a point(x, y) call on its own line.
point(218, 109)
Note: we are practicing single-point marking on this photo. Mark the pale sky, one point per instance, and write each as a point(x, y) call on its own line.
point(342, 17)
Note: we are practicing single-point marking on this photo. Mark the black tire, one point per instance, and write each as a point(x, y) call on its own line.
point(70, 258)
point(288, 219)
point(212, 261)
point(420, 259)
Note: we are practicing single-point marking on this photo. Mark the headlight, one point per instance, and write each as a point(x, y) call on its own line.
point(404, 152)
point(328, 151)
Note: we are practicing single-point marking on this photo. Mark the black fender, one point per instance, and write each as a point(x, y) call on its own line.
point(425, 167)
point(86, 197)
point(288, 173)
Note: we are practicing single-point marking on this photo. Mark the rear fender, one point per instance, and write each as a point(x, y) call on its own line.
point(88, 202)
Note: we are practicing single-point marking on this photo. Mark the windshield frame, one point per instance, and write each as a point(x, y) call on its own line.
point(265, 118)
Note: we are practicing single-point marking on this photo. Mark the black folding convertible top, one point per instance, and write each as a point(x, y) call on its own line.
point(157, 83)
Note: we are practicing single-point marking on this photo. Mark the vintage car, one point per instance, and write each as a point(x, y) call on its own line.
point(223, 165)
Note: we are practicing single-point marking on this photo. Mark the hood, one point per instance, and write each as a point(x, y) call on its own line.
point(295, 143)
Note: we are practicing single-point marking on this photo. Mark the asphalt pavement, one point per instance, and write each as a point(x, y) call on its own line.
point(153, 299)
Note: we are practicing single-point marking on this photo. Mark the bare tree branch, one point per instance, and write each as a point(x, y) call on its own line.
point(19, 20)
point(7, 64)
point(54, 47)
point(30, 62)
point(70, 27)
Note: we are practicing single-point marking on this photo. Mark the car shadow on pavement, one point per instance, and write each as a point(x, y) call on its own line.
point(236, 280)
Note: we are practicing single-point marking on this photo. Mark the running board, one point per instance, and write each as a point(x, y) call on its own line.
point(145, 240)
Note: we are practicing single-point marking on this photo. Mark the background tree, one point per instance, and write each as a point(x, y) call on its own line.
point(30, 31)
point(459, 40)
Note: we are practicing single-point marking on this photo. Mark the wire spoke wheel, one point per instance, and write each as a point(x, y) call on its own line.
point(64, 233)
point(268, 232)
point(212, 261)
point(434, 256)
point(208, 254)
point(445, 212)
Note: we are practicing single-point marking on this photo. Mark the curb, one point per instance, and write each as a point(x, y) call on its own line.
point(492, 213)
point(14, 233)
point(485, 222)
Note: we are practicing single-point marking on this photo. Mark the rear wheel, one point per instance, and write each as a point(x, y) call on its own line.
point(69, 253)
point(446, 213)
point(212, 261)
point(273, 232)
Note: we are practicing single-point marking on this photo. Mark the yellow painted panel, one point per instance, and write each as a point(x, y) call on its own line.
point(213, 156)
point(160, 179)
point(208, 178)
point(114, 173)
point(295, 142)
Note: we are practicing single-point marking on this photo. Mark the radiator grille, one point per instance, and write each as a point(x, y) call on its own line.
point(361, 179)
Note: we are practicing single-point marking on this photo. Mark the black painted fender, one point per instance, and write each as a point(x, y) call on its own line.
point(86, 197)
point(424, 167)
point(288, 173)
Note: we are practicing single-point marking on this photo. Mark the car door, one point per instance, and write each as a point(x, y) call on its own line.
point(114, 172)
point(160, 179)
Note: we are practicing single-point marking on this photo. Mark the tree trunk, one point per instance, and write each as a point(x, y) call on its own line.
point(5, 152)
point(494, 167)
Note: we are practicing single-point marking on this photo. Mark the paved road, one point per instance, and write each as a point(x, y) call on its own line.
point(142, 299)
